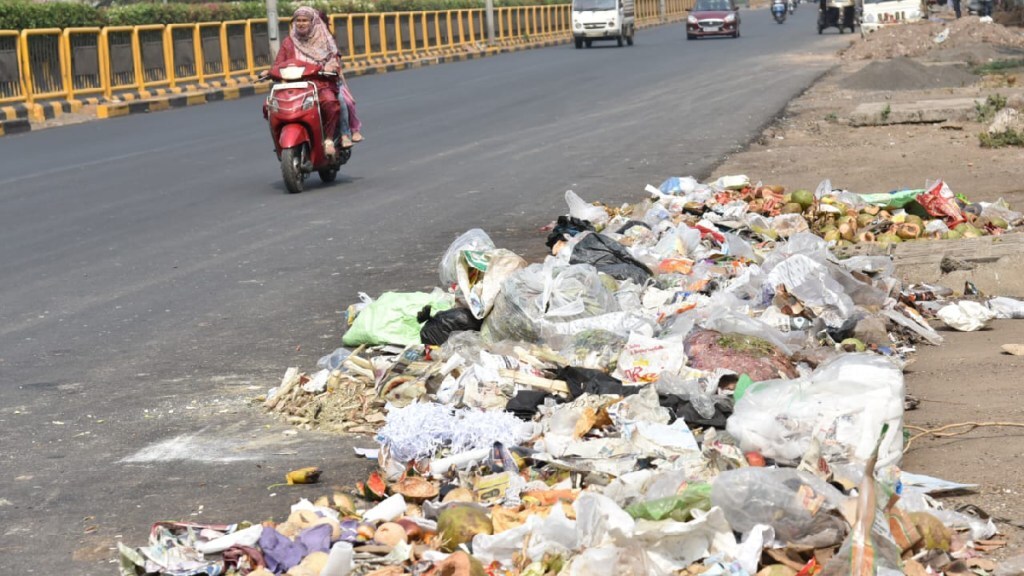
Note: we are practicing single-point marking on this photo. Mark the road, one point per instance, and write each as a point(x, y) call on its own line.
point(156, 277)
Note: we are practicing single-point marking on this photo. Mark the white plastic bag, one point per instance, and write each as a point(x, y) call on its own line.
point(579, 208)
point(1007, 307)
point(966, 316)
point(843, 404)
point(643, 359)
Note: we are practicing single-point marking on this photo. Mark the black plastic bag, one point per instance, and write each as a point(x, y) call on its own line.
point(630, 225)
point(610, 257)
point(589, 381)
point(680, 407)
point(567, 227)
point(526, 403)
point(437, 329)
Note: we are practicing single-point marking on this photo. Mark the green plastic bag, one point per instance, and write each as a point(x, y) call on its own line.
point(694, 497)
point(897, 199)
point(391, 319)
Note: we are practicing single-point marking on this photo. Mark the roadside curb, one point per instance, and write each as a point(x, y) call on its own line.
point(19, 118)
point(170, 100)
point(15, 126)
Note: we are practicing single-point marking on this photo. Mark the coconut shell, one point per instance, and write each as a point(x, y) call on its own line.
point(415, 489)
point(315, 562)
point(908, 231)
point(344, 503)
point(459, 494)
point(458, 524)
point(804, 198)
point(390, 534)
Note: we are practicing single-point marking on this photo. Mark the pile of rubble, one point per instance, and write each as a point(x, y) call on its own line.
point(691, 385)
point(921, 38)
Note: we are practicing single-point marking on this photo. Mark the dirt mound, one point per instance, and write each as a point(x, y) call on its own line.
point(918, 39)
point(976, 54)
point(907, 74)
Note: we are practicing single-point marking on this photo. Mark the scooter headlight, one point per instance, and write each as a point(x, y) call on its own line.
point(308, 103)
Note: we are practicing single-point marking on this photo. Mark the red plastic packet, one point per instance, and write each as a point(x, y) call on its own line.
point(940, 202)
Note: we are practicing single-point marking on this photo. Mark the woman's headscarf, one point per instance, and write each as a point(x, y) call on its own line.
point(318, 45)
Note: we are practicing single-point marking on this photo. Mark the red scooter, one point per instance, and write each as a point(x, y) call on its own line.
point(293, 109)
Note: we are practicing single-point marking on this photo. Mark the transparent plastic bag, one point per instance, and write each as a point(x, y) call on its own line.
point(797, 505)
point(679, 186)
point(843, 404)
point(579, 208)
point(1000, 209)
point(468, 345)
point(333, 360)
point(739, 248)
point(597, 349)
point(786, 225)
point(811, 281)
point(694, 390)
point(475, 239)
point(824, 189)
point(537, 299)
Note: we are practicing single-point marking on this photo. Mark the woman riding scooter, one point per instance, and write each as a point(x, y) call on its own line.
point(311, 41)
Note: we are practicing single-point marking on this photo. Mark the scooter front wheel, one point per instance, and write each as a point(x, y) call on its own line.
point(291, 168)
point(327, 175)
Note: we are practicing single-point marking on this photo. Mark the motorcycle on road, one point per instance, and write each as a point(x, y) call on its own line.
point(293, 111)
point(779, 10)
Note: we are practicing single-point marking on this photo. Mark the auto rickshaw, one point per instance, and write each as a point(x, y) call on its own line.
point(839, 14)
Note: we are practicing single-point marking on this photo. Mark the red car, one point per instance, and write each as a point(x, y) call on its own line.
point(713, 18)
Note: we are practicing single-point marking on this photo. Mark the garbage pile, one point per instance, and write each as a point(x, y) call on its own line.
point(691, 385)
point(926, 38)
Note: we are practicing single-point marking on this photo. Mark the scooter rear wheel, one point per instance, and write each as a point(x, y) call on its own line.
point(291, 168)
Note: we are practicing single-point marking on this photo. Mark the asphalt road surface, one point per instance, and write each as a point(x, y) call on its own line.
point(154, 276)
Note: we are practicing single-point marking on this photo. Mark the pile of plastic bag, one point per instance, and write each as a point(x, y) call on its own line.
point(692, 385)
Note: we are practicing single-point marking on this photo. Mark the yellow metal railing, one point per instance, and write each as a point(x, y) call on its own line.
point(84, 64)
point(12, 82)
point(117, 59)
point(81, 62)
point(42, 63)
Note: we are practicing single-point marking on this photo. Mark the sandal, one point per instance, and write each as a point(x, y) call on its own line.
point(346, 142)
point(329, 147)
point(357, 137)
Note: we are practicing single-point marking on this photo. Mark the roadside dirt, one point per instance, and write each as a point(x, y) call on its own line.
point(967, 379)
